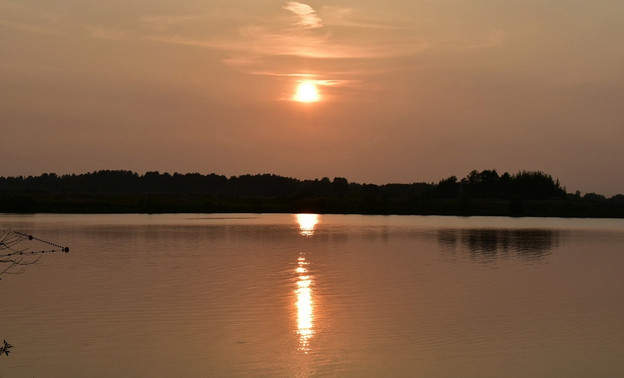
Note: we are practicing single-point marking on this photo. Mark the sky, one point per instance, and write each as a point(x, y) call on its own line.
point(408, 91)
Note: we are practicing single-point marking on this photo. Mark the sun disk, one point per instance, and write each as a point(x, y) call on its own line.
point(307, 91)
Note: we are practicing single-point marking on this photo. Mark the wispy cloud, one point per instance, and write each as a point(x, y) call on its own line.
point(349, 17)
point(275, 36)
point(277, 45)
point(111, 33)
point(308, 19)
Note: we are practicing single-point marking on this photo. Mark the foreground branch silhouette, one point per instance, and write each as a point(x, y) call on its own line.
point(16, 257)
point(13, 259)
point(5, 348)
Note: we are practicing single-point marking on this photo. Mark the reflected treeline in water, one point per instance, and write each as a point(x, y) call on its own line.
point(488, 244)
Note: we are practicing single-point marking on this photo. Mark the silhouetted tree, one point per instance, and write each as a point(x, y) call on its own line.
point(594, 197)
point(480, 192)
point(535, 186)
point(340, 186)
point(447, 188)
point(484, 184)
point(617, 198)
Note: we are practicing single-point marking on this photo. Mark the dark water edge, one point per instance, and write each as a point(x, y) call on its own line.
point(163, 204)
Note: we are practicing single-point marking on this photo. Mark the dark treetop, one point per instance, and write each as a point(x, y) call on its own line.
point(479, 193)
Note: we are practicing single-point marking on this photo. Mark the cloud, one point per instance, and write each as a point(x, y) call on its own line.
point(349, 17)
point(115, 34)
point(338, 53)
point(261, 41)
point(308, 19)
point(247, 38)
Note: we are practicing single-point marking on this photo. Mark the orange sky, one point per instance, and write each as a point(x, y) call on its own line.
point(410, 90)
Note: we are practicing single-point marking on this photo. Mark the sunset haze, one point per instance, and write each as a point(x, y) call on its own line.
point(405, 91)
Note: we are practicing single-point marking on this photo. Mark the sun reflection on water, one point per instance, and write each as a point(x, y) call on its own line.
point(303, 291)
point(307, 223)
point(305, 305)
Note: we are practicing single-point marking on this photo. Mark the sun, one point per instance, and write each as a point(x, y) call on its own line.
point(307, 91)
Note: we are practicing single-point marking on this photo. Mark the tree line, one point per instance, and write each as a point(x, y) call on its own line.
point(526, 193)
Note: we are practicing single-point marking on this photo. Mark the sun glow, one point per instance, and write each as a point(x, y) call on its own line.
point(307, 91)
point(307, 223)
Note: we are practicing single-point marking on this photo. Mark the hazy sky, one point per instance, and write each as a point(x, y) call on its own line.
point(410, 91)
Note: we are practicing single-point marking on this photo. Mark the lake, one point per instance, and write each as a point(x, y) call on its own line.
point(285, 295)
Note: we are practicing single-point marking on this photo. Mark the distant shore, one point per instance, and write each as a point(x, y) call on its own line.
point(485, 193)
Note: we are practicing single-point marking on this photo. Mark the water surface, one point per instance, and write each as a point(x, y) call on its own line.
point(331, 295)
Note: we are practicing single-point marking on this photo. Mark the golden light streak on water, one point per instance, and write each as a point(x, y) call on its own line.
point(305, 305)
point(307, 223)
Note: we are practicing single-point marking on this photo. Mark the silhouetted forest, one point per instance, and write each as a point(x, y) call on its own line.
point(479, 193)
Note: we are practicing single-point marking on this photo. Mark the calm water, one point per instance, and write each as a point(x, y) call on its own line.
point(281, 295)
